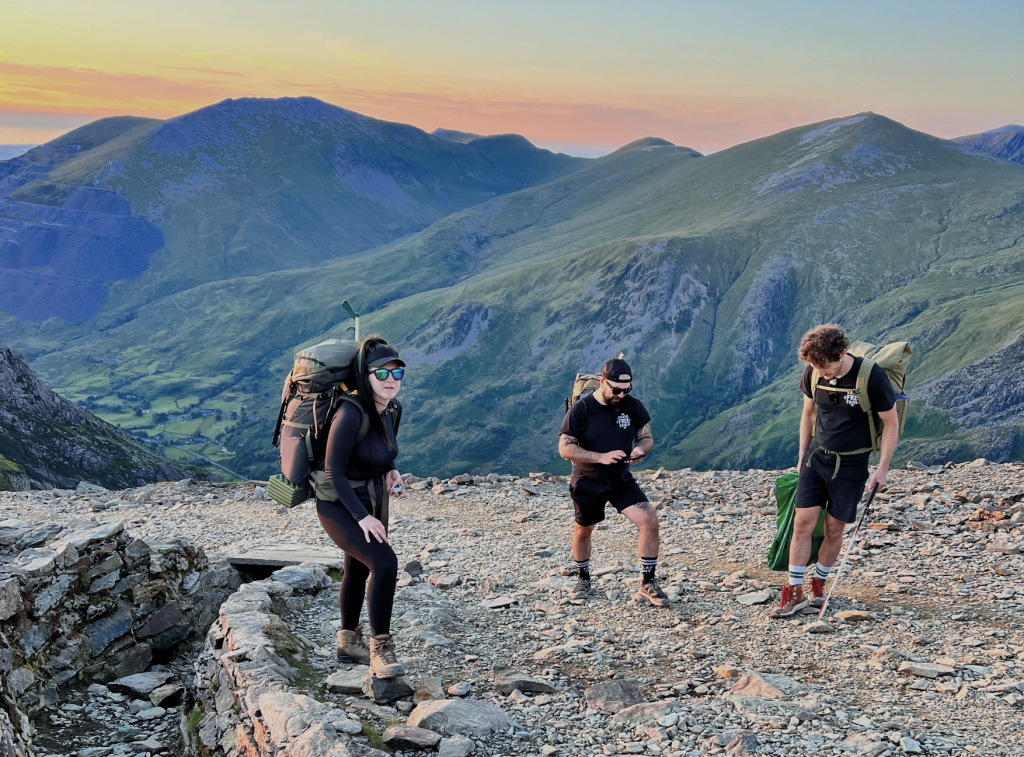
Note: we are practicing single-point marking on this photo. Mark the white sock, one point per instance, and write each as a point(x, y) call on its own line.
point(796, 574)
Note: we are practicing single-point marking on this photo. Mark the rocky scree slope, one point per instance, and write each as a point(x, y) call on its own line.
point(922, 654)
point(46, 441)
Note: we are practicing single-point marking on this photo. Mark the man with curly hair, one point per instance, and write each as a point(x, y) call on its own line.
point(833, 464)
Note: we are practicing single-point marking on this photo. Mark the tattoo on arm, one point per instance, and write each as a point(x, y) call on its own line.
point(644, 439)
point(570, 440)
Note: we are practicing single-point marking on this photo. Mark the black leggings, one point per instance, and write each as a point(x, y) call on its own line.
point(374, 560)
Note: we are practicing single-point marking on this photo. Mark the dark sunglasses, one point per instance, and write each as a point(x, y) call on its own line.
point(381, 374)
point(617, 391)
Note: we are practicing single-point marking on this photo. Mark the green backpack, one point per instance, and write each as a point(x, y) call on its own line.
point(891, 358)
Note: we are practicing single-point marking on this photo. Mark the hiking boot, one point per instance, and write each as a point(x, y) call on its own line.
point(581, 590)
point(652, 592)
point(352, 649)
point(383, 661)
point(817, 593)
point(791, 603)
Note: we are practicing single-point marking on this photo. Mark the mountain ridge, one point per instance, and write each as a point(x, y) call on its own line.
point(1005, 143)
point(704, 269)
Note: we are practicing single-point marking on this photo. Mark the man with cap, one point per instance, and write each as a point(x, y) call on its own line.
point(602, 435)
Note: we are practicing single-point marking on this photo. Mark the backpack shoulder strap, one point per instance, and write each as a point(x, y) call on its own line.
point(863, 376)
point(364, 424)
point(815, 376)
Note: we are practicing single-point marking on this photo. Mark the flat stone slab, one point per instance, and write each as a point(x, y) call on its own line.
point(612, 696)
point(754, 598)
point(410, 737)
point(768, 686)
point(385, 690)
point(926, 670)
point(347, 681)
point(140, 684)
point(283, 555)
point(508, 679)
point(467, 717)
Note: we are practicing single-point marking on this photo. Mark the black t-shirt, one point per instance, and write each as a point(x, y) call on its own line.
point(369, 459)
point(843, 425)
point(603, 428)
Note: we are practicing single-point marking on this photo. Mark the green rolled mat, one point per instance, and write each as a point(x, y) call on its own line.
point(284, 492)
point(785, 495)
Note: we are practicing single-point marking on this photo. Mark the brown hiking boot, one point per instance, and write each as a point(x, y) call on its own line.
point(817, 593)
point(352, 647)
point(653, 593)
point(383, 661)
point(792, 602)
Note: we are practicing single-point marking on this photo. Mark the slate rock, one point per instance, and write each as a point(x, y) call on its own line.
point(468, 717)
point(161, 620)
point(744, 745)
point(140, 684)
point(105, 630)
point(171, 637)
point(168, 695)
point(456, 746)
point(410, 737)
point(926, 670)
point(10, 597)
point(134, 660)
point(385, 690)
point(612, 696)
point(768, 686)
point(427, 689)
point(754, 598)
point(507, 679)
point(346, 681)
point(414, 568)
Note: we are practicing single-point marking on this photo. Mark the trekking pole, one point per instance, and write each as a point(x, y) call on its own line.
point(355, 316)
point(849, 548)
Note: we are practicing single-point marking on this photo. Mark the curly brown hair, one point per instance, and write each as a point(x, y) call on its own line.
point(823, 345)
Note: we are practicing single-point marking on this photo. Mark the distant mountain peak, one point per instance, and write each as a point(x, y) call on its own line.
point(651, 143)
point(454, 135)
point(1005, 143)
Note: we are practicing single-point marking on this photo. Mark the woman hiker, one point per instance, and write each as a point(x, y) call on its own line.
point(363, 475)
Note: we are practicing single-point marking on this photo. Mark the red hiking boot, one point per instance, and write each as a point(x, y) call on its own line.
point(817, 592)
point(792, 602)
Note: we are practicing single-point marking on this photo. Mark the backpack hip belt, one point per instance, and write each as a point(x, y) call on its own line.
point(839, 456)
point(323, 489)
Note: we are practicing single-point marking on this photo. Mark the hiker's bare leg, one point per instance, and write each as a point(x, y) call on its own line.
point(804, 521)
point(642, 515)
point(581, 543)
point(833, 544)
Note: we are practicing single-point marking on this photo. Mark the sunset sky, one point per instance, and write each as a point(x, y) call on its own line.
point(583, 77)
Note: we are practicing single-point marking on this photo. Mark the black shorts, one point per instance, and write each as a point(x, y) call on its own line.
point(589, 501)
point(840, 495)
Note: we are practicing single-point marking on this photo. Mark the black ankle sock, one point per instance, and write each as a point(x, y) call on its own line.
point(649, 565)
point(584, 568)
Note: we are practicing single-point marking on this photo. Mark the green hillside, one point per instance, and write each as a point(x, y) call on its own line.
point(705, 271)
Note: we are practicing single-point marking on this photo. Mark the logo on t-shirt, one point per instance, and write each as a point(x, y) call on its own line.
point(851, 400)
point(624, 421)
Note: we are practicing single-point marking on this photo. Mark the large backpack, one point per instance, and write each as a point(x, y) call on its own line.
point(321, 379)
point(584, 385)
point(891, 358)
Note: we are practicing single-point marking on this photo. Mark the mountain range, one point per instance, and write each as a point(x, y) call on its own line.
point(162, 273)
